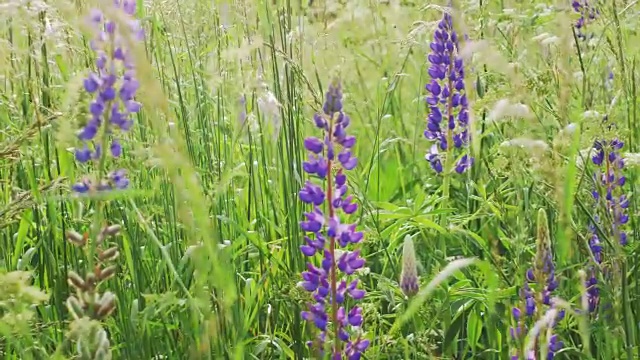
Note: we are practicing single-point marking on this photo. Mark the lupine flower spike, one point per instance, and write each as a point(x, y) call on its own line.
point(113, 86)
point(331, 282)
point(409, 276)
point(612, 203)
point(448, 120)
point(88, 302)
point(536, 302)
point(588, 13)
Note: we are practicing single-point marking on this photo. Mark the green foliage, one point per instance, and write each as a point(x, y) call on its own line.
point(209, 245)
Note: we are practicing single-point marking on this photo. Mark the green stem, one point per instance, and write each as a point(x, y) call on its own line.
point(332, 247)
point(447, 176)
point(99, 203)
point(628, 314)
point(163, 251)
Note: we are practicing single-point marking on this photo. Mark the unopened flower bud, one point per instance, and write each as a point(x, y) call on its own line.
point(112, 230)
point(90, 280)
point(74, 307)
point(76, 238)
point(544, 259)
point(409, 276)
point(104, 347)
point(76, 281)
point(106, 305)
point(109, 255)
point(107, 272)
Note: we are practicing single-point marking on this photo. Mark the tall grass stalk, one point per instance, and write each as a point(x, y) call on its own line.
point(210, 240)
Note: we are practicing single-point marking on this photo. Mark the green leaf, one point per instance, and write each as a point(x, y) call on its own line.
point(425, 221)
point(21, 237)
point(424, 294)
point(474, 329)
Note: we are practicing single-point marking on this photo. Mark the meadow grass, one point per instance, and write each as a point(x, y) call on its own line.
point(210, 225)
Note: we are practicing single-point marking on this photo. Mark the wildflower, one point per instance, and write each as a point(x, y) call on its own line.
point(269, 108)
point(543, 275)
point(588, 13)
point(554, 346)
point(607, 155)
point(448, 120)
point(332, 281)
point(608, 81)
point(409, 276)
point(113, 86)
point(609, 198)
point(114, 180)
point(504, 108)
point(89, 301)
point(610, 201)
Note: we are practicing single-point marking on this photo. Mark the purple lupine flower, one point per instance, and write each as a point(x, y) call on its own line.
point(546, 270)
point(542, 274)
point(608, 83)
point(113, 92)
point(114, 180)
point(608, 156)
point(517, 331)
point(593, 293)
point(554, 346)
point(610, 199)
point(448, 120)
point(332, 281)
point(588, 13)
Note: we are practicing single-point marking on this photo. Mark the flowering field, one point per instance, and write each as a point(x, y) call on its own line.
point(324, 179)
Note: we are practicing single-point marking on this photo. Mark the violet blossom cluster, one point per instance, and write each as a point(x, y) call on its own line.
point(113, 86)
point(332, 282)
point(610, 199)
point(535, 303)
point(588, 13)
point(533, 309)
point(448, 119)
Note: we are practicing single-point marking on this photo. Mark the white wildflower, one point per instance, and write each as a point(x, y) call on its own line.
point(550, 40)
point(269, 107)
point(631, 159)
point(525, 143)
point(540, 37)
point(545, 322)
point(583, 156)
point(471, 47)
point(578, 75)
point(591, 114)
point(504, 108)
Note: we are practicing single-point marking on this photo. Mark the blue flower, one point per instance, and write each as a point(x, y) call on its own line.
point(588, 13)
point(113, 90)
point(611, 201)
point(329, 284)
point(542, 274)
point(448, 119)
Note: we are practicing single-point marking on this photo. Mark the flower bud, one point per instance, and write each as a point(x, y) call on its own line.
point(409, 276)
point(544, 259)
point(109, 255)
point(107, 272)
point(76, 239)
point(106, 305)
point(74, 307)
point(76, 281)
